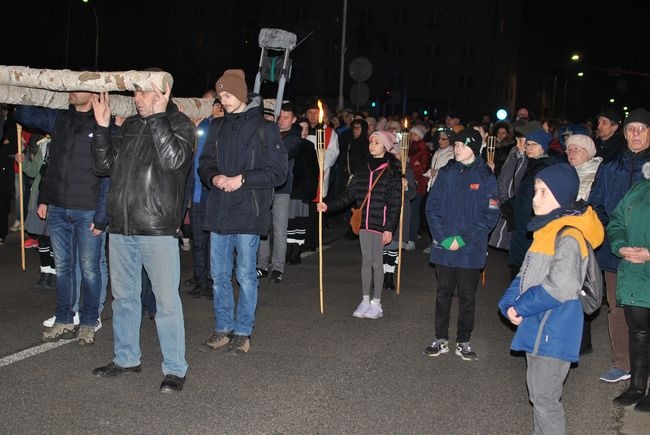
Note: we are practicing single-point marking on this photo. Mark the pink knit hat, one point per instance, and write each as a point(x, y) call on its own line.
point(386, 138)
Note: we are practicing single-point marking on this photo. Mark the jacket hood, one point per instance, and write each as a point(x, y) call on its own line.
point(587, 222)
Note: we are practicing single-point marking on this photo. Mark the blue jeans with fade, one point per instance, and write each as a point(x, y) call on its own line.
point(73, 239)
point(222, 250)
point(160, 258)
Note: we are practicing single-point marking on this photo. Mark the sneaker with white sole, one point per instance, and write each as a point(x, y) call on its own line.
point(374, 311)
point(439, 346)
point(464, 350)
point(361, 309)
point(409, 246)
point(615, 375)
point(98, 325)
point(49, 322)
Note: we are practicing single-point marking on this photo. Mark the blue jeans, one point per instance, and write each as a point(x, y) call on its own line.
point(160, 258)
point(72, 239)
point(103, 271)
point(222, 248)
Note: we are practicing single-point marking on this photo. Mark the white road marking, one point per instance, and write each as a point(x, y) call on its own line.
point(32, 351)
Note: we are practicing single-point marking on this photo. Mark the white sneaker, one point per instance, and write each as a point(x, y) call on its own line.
point(361, 309)
point(409, 246)
point(374, 312)
point(98, 325)
point(427, 250)
point(49, 322)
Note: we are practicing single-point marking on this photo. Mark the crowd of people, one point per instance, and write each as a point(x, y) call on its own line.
point(250, 185)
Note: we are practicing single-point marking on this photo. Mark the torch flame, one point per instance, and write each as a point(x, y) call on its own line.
point(320, 112)
point(406, 123)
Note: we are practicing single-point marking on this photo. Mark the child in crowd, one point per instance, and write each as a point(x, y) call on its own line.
point(462, 208)
point(380, 183)
point(543, 298)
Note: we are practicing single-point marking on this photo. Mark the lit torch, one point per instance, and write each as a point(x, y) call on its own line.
point(320, 151)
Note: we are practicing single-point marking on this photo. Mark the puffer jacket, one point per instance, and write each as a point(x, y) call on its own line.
point(233, 147)
point(463, 202)
point(630, 226)
point(148, 161)
point(69, 181)
point(381, 211)
point(545, 292)
point(613, 180)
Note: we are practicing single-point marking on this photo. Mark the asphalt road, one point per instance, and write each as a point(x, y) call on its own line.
point(306, 373)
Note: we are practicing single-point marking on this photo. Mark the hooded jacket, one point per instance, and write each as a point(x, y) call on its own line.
point(545, 292)
point(382, 208)
point(148, 161)
point(630, 226)
point(242, 143)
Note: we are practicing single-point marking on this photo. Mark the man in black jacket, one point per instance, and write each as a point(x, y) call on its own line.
point(148, 162)
point(243, 160)
point(69, 197)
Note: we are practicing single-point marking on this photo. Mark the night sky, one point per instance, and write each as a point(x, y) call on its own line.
point(612, 37)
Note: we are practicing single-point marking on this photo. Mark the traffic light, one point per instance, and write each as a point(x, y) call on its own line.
point(425, 112)
point(388, 92)
point(373, 104)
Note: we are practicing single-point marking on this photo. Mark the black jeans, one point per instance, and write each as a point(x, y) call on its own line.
point(200, 245)
point(465, 281)
point(638, 323)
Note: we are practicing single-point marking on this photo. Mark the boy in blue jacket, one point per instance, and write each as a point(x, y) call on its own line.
point(462, 208)
point(543, 298)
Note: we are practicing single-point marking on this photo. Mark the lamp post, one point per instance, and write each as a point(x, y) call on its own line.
point(96, 30)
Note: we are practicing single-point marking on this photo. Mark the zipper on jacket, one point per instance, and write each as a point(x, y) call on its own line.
point(125, 215)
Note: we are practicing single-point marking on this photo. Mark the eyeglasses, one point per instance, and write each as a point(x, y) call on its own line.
point(638, 129)
point(574, 150)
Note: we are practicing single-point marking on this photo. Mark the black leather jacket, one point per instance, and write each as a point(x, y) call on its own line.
point(148, 161)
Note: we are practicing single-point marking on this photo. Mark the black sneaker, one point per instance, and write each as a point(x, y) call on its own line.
point(261, 273)
point(276, 276)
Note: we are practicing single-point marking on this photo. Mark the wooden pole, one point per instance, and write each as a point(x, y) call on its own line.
point(321, 162)
point(320, 151)
point(19, 203)
point(404, 148)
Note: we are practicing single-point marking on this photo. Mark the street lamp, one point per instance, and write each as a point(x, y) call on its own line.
point(96, 30)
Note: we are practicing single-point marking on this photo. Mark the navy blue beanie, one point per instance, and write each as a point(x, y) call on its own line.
point(541, 137)
point(562, 180)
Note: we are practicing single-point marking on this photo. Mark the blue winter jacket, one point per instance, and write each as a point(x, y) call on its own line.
point(545, 292)
point(463, 201)
point(613, 180)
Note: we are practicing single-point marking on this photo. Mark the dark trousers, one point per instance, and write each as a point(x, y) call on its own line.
point(5, 202)
point(465, 281)
point(200, 245)
point(638, 323)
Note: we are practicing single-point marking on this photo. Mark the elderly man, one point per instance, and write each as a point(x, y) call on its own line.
point(613, 179)
point(148, 162)
point(609, 142)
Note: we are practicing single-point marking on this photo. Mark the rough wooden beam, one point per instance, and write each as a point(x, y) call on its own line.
point(121, 105)
point(90, 81)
